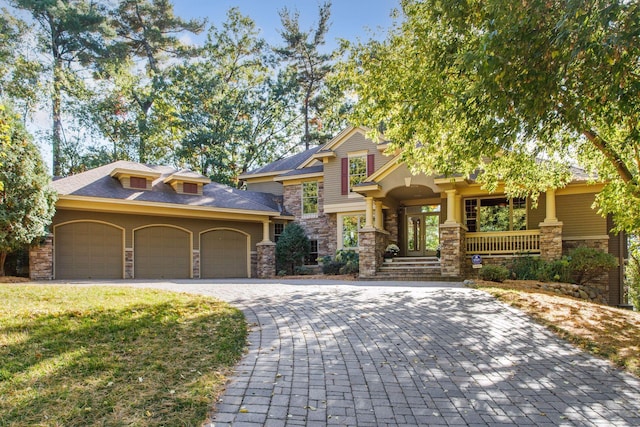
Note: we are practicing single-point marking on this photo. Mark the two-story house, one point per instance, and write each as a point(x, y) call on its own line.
point(128, 220)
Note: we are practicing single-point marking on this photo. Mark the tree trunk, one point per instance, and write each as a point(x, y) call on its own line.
point(56, 139)
point(306, 123)
point(3, 258)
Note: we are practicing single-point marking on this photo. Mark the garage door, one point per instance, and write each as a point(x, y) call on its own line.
point(88, 250)
point(162, 253)
point(223, 253)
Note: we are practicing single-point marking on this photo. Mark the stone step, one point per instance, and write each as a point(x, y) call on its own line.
point(392, 276)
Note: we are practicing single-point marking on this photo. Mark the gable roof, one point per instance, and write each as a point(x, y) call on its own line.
point(99, 184)
point(283, 165)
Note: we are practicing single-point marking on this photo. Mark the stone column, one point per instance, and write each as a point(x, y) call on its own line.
point(550, 240)
point(128, 263)
point(266, 259)
point(452, 250)
point(372, 243)
point(41, 260)
point(196, 264)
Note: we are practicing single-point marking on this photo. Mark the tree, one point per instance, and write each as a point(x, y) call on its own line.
point(292, 248)
point(230, 109)
point(27, 202)
point(149, 31)
point(70, 34)
point(301, 49)
point(525, 85)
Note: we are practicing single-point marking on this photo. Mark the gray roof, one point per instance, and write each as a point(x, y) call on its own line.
point(304, 171)
point(286, 164)
point(98, 183)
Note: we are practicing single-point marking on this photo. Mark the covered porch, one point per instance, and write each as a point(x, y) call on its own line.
point(427, 218)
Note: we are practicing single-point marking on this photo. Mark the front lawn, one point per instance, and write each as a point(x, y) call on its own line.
point(77, 356)
point(602, 330)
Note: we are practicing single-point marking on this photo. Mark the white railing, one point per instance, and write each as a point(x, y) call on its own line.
point(503, 242)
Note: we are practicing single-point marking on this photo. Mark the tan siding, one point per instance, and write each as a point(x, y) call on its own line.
point(537, 215)
point(333, 169)
point(577, 216)
point(131, 222)
point(266, 187)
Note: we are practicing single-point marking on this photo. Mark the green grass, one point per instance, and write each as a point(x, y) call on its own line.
point(79, 356)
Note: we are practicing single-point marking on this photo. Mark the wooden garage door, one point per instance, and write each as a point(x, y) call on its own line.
point(162, 253)
point(88, 250)
point(223, 253)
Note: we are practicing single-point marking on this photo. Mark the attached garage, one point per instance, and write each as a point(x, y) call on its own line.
point(224, 253)
point(77, 256)
point(162, 252)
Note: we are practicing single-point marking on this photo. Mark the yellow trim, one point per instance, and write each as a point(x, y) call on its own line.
point(580, 188)
point(336, 142)
point(345, 207)
point(122, 229)
point(180, 178)
point(156, 208)
point(316, 176)
point(258, 180)
point(324, 155)
point(247, 235)
point(449, 180)
point(133, 243)
point(246, 176)
point(597, 237)
point(386, 169)
point(365, 188)
point(125, 173)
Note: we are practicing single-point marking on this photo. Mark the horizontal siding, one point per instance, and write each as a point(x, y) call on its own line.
point(131, 222)
point(333, 171)
point(578, 217)
point(537, 215)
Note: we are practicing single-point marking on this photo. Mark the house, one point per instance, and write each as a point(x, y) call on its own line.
point(158, 222)
point(127, 220)
point(352, 194)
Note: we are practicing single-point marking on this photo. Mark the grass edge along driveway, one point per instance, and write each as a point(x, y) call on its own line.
point(113, 356)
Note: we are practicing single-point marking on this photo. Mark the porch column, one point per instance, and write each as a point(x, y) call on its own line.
point(451, 207)
point(452, 250)
point(265, 232)
point(41, 260)
point(379, 215)
point(458, 207)
point(368, 219)
point(551, 206)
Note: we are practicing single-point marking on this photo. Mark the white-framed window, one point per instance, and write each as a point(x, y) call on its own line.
point(310, 199)
point(495, 214)
point(357, 170)
point(348, 227)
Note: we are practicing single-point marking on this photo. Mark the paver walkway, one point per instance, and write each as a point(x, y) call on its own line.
point(358, 354)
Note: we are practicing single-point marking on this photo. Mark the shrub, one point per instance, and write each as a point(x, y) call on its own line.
point(587, 264)
point(494, 273)
point(303, 270)
point(526, 268)
point(345, 262)
point(555, 271)
point(292, 248)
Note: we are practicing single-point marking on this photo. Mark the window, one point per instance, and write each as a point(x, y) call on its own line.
point(357, 170)
point(278, 228)
point(310, 199)
point(496, 214)
point(351, 225)
point(312, 258)
point(137, 182)
point(190, 188)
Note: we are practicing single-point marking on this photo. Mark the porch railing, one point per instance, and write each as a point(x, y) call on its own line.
point(503, 242)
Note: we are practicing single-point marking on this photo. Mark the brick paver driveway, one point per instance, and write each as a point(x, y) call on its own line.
point(333, 353)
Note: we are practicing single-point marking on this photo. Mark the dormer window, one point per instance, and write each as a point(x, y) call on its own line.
point(190, 188)
point(137, 182)
point(136, 178)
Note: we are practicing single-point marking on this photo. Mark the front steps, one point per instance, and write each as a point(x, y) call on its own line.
point(413, 269)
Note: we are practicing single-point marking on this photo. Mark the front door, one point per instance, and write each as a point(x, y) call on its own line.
point(422, 230)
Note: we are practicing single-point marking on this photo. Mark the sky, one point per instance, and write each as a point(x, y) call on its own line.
point(350, 19)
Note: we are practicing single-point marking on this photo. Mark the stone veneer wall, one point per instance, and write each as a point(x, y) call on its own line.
point(551, 241)
point(41, 260)
point(254, 263)
point(317, 228)
point(128, 263)
point(452, 250)
point(391, 225)
point(372, 244)
point(266, 259)
point(196, 264)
